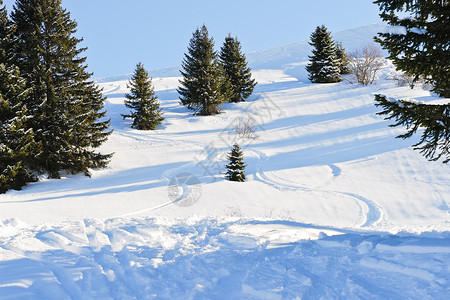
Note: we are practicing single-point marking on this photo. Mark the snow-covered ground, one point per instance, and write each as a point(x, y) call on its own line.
point(334, 206)
point(224, 258)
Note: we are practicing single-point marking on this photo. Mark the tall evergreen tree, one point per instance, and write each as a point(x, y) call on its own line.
point(236, 166)
point(142, 100)
point(203, 78)
point(6, 36)
point(67, 108)
point(237, 72)
point(422, 48)
point(324, 65)
point(17, 144)
point(16, 141)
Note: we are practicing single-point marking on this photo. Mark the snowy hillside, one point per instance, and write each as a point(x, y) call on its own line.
point(334, 205)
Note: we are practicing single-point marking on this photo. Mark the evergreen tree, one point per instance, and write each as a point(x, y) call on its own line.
point(67, 108)
point(6, 36)
point(435, 119)
point(203, 80)
point(17, 144)
point(16, 141)
point(324, 65)
point(237, 72)
point(236, 166)
point(344, 59)
point(422, 48)
point(142, 100)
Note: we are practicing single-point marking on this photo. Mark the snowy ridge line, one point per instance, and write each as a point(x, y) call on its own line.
point(374, 215)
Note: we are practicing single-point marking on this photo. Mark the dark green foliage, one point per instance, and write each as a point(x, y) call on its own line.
point(343, 58)
point(236, 166)
point(422, 46)
point(142, 100)
point(324, 65)
point(14, 177)
point(16, 140)
point(67, 107)
point(435, 119)
point(6, 36)
point(203, 80)
point(238, 74)
point(17, 144)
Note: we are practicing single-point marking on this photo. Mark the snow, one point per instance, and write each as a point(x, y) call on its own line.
point(334, 206)
point(157, 258)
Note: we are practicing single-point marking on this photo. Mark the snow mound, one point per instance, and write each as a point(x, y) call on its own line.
point(219, 258)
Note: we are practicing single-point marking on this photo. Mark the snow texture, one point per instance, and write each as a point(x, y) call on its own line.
point(209, 258)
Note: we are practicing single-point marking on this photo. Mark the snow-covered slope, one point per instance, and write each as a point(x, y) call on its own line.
point(322, 156)
point(162, 211)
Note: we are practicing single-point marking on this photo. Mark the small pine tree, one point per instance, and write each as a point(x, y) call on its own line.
point(324, 65)
point(236, 166)
point(203, 80)
point(236, 70)
point(344, 59)
point(421, 49)
point(66, 107)
point(142, 100)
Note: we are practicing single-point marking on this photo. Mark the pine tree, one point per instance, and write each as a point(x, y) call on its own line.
point(67, 108)
point(142, 100)
point(6, 36)
point(324, 65)
point(16, 141)
point(344, 59)
point(435, 119)
point(17, 144)
point(203, 78)
point(236, 166)
point(422, 48)
point(236, 70)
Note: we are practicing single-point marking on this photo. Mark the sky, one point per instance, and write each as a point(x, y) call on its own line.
point(121, 33)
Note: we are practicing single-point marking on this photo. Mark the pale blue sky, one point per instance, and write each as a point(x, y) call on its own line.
point(120, 33)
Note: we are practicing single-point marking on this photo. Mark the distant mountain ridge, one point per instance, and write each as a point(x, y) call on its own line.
point(280, 57)
point(290, 58)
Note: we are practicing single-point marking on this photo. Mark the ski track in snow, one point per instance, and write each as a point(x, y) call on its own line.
point(374, 213)
point(145, 258)
point(373, 216)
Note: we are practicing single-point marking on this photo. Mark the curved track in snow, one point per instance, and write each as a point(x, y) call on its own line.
point(370, 213)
